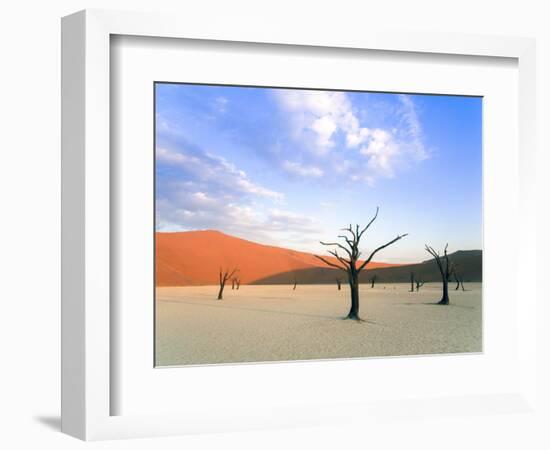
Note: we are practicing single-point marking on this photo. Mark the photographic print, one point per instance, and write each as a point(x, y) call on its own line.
point(305, 224)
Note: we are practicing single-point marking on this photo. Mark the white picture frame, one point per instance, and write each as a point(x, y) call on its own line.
point(87, 325)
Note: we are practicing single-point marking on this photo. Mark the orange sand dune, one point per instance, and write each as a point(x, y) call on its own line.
point(194, 258)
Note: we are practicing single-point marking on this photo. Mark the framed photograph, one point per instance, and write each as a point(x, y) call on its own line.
point(255, 221)
point(253, 259)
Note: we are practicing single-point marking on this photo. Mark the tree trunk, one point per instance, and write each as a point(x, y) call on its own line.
point(445, 298)
point(233, 284)
point(354, 287)
point(412, 282)
point(220, 294)
point(339, 283)
point(372, 283)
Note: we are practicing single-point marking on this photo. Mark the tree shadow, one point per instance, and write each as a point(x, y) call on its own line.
point(51, 422)
point(217, 305)
point(451, 305)
point(226, 306)
point(372, 322)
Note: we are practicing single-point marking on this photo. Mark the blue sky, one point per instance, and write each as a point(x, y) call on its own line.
point(291, 167)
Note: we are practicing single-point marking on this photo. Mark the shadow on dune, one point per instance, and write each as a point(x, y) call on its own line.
point(469, 260)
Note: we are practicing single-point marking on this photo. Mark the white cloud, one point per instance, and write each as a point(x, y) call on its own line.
point(325, 124)
point(283, 220)
point(412, 129)
point(296, 168)
point(221, 104)
point(209, 192)
point(316, 116)
point(239, 218)
point(202, 198)
point(381, 151)
point(325, 127)
point(215, 172)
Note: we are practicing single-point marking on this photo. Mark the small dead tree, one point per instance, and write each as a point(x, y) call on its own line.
point(446, 269)
point(373, 280)
point(295, 283)
point(238, 283)
point(419, 284)
point(232, 283)
point(224, 276)
point(412, 282)
point(458, 278)
point(339, 283)
point(455, 274)
point(459, 281)
point(350, 263)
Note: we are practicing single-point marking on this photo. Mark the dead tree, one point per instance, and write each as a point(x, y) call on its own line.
point(339, 283)
point(232, 283)
point(459, 281)
point(412, 282)
point(419, 284)
point(350, 262)
point(446, 269)
point(238, 283)
point(224, 276)
point(372, 281)
point(295, 283)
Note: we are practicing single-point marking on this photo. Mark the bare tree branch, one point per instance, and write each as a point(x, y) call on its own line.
point(338, 245)
point(341, 236)
point(370, 223)
point(339, 258)
point(368, 260)
point(436, 256)
point(350, 230)
point(328, 263)
point(232, 273)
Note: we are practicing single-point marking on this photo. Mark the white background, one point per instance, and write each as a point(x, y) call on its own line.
point(141, 389)
point(29, 177)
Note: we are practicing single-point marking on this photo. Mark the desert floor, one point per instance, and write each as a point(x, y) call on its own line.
point(275, 323)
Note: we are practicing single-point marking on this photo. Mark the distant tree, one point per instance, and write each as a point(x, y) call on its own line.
point(238, 283)
point(419, 284)
point(232, 283)
point(372, 281)
point(339, 283)
point(459, 280)
point(224, 276)
point(446, 269)
point(351, 264)
point(412, 282)
point(295, 283)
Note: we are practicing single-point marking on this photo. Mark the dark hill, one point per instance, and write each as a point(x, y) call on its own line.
point(468, 263)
